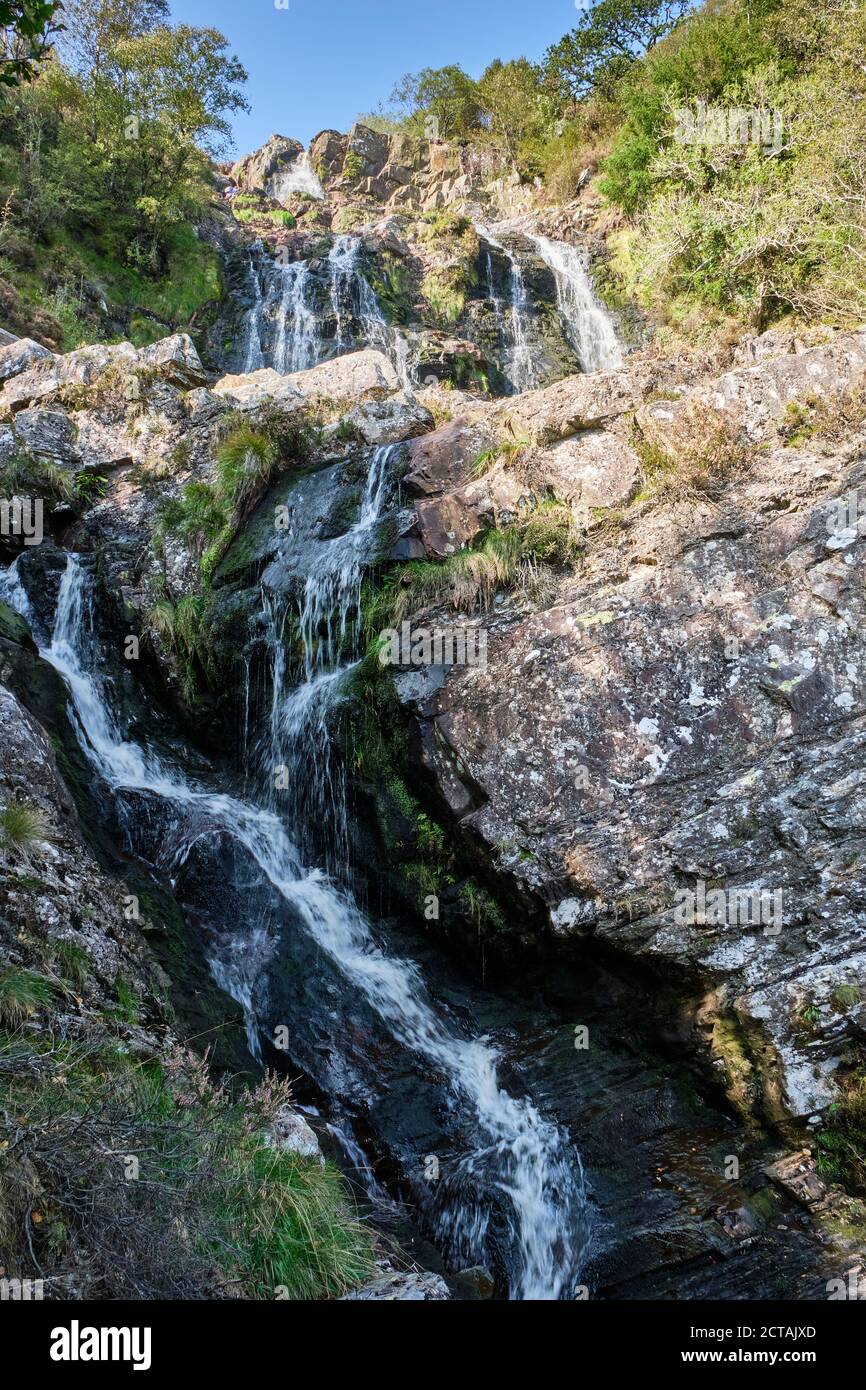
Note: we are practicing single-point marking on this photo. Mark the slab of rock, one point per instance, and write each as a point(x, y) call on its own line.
point(389, 421)
point(577, 403)
point(796, 1174)
point(445, 458)
point(755, 399)
point(174, 359)
point(48, 434)
point(446, 525)
point(250, 389)
point(400, 1287)
point(592, 470)
point(350, 377)
point(19, 354)
point(79, 368)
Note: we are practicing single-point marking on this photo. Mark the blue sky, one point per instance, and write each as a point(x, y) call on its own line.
point(319, 63)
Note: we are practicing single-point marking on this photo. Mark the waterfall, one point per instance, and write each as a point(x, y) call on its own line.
point(310, 314)
point(517, 1155)
point(513, 320)
point(298, 178)
point(299, 342)
point(589, 327)
point(253, 357)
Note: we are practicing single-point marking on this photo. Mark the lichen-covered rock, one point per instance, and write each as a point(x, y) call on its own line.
point(401, 1287)
point(255, 171)
point(20, 354)
point(685, 714)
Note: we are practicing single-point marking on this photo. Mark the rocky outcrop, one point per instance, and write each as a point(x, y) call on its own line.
point(256, 171)
point(398, 171)
point(686, 713)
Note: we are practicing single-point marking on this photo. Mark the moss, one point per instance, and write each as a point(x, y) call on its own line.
point(842, 1142)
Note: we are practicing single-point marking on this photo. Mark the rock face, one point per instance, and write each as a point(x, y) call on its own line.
point(256, 171)
point(687, 714)
point(399, 171)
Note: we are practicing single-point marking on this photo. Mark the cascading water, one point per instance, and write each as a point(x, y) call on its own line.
point(300, 316)
point(589, 327)
point(514, 319)
point(300, 177)
point(516, 1159)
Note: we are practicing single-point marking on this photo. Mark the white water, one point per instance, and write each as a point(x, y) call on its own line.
point(299, 178)
point(513, 322)
point(295, 307)
point(589, 326)
point(533, 1164)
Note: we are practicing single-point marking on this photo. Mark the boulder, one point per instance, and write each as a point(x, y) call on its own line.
point(174, 360)
point(47, 375)
point(401, 1287)
point(389, 421)
point(327, 153)
point(48, 434)
point(592, 470)
point(350, 377)
point(577, 403)
point(19, 354)
point(445, 458)
point(250, 389)
point(291, 1133)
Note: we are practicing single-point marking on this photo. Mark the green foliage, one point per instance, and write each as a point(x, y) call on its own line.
point(842, 1143)
point(102, 170)
point(516, 558)
point(447, 94)
point(22, 826)
point(25, 475)
point(609, 38)
point(245, 461)
point(22, 994)
point(754, 229)
point(217, 1210)
point(25, 29)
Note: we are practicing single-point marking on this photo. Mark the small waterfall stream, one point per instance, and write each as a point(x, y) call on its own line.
point(589, 326)
point(514, 319)
point(518, 1163)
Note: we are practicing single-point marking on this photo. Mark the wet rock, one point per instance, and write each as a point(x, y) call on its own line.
point(796, 1174)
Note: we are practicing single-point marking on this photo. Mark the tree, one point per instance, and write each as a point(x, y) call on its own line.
point(511, 95)
point(608, 39)
point(94, 27)
point(26, 27)
point(447, 94)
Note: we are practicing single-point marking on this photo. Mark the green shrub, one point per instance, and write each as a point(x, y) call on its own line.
point(22, 826)
point(22, 993)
